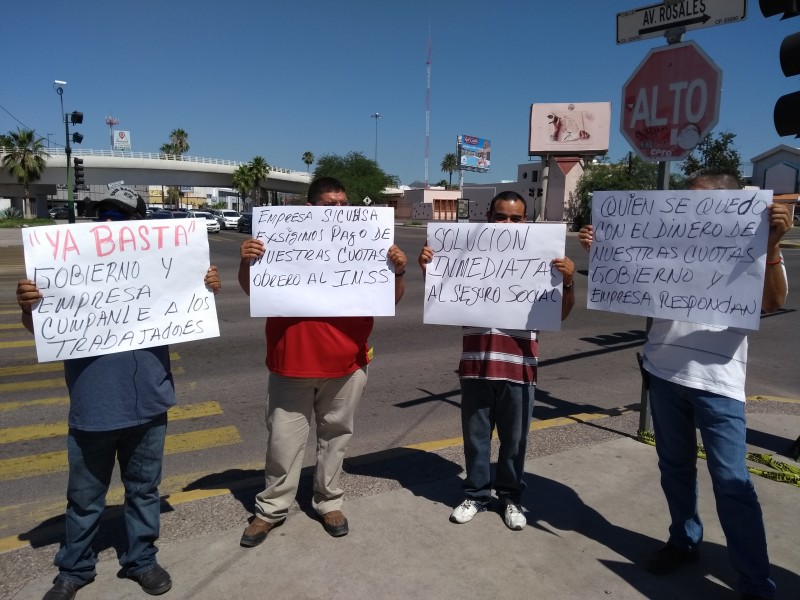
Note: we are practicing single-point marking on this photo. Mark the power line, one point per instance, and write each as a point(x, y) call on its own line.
point(15, 118)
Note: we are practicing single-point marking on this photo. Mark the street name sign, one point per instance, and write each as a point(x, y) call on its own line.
point(671, 101)
point(657, 19)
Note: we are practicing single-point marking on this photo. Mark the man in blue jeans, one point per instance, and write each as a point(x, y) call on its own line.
point(696, 376)
point(118, 410)
point(498, 380)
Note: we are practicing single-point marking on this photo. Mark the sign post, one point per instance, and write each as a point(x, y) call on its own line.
point(671, 102)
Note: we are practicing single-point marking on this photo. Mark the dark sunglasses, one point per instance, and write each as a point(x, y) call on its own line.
point(112, 215)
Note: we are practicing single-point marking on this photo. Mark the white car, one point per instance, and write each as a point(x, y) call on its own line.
point(211, 221)
point(228, 219)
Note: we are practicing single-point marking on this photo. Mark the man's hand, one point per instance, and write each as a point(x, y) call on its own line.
point(586, 236)
point(211, 280)
point(252, 249)
point(780, 221)
point(425, 257)
point(397, 258)
point(27, 295)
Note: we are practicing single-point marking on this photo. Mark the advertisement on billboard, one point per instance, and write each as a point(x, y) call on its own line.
point(474, 154)
point(122, 140)
point(569, 128)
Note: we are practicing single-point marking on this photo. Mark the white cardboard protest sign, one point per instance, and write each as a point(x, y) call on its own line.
point(495, 275)
point(117, 286)
point(322, 261)
point(690, 255)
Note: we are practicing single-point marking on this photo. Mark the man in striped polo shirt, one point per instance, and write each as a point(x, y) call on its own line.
point(498, 379)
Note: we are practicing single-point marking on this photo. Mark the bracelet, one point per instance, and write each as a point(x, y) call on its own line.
point(400, 274)
point(772, 263)
point(569, 285)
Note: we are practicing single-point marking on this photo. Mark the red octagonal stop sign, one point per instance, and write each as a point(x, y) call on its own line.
point(671, 101)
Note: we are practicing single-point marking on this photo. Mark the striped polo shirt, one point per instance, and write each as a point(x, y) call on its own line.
point(509, 354)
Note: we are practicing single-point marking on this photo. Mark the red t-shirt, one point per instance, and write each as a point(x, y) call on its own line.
point(317, 347)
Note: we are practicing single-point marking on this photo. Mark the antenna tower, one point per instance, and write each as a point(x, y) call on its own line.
point(111, 121)
point(428, 109)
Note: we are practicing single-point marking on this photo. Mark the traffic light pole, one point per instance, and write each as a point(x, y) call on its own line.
point(70, 192)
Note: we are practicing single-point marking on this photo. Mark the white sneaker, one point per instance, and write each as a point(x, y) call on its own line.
point(464, 512)
point(514, 518)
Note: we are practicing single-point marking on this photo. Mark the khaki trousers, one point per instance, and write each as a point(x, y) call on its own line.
point(291, 402)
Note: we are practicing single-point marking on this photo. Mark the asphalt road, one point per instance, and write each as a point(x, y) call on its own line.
point(412, 396)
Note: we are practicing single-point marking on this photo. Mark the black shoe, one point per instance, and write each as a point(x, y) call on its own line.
point(63, 590)
point(155, 581)
point(669, 559)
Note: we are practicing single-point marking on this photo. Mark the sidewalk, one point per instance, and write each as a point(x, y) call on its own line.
point(593, 512)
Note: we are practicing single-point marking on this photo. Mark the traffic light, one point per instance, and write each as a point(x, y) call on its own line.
point(787, 109)
point(79, 175)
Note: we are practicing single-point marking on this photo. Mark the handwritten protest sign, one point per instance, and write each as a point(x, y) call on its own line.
point(118, 286)
point(322, 261)
point(494, 275)
point(694, 255)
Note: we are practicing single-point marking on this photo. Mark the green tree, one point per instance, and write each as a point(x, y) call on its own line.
point(714, 153)
point(630, 173)
point(360, 175)
point(5, 141)
point(179, 140)
point(450, 166)
point(259, 169)
point(25, 159)
point(308, 159)
point(243, 181)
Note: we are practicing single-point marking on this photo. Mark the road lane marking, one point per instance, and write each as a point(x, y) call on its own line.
point(16, 405)
point(4, 326)
point(40, 384)
point(53, 462)
point(25, 433)
point(49, 367)
point(16, 344)
point(776, 399)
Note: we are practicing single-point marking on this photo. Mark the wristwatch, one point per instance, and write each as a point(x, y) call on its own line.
point(570, 285)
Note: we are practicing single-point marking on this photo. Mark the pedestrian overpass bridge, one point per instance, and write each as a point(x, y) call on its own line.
point(107, 166)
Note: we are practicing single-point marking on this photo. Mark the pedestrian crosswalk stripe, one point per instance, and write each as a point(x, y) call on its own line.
point(50, 367)
point(26, 433)
point(54, 462)
point(16, 344)
point(8, 326)
point(17, 405)
point(39, 384)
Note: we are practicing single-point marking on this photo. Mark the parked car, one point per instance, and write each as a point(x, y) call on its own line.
point(180, 214)
point(61, 212)
point(211, 221)
point(160, 214)
point(228, 219)
point(245, 223)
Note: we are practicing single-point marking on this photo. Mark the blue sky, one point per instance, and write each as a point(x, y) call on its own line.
point(276, 79)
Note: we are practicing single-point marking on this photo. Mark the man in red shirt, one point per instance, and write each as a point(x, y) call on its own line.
point(317, 365)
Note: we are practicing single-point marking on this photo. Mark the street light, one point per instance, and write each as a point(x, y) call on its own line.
point(76, 118)
point(376, 116)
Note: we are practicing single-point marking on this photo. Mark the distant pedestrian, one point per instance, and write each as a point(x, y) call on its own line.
point(498, 379)
point(316, 365)
point(118, 411)
point(696, 376)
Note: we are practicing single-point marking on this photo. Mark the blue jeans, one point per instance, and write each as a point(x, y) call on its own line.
point(677, 411)
point(91, 455)
point(508, 405)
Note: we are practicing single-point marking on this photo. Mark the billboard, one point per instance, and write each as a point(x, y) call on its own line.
point(474, 154)
point(122, 140)
point(569, 128)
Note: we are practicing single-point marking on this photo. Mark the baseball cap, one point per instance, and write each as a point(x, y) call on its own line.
point(126, 199)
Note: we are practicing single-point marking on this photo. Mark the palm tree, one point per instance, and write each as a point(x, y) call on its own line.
point(243, 181)
point(25, 160)
point(450, 165)
point(259, 168)
point(308, 158)
point(179, 140)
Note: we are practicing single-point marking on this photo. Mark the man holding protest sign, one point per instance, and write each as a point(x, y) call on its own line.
point(498, 379)
point(319, 365)
point(696, 378)
point(118, 410)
